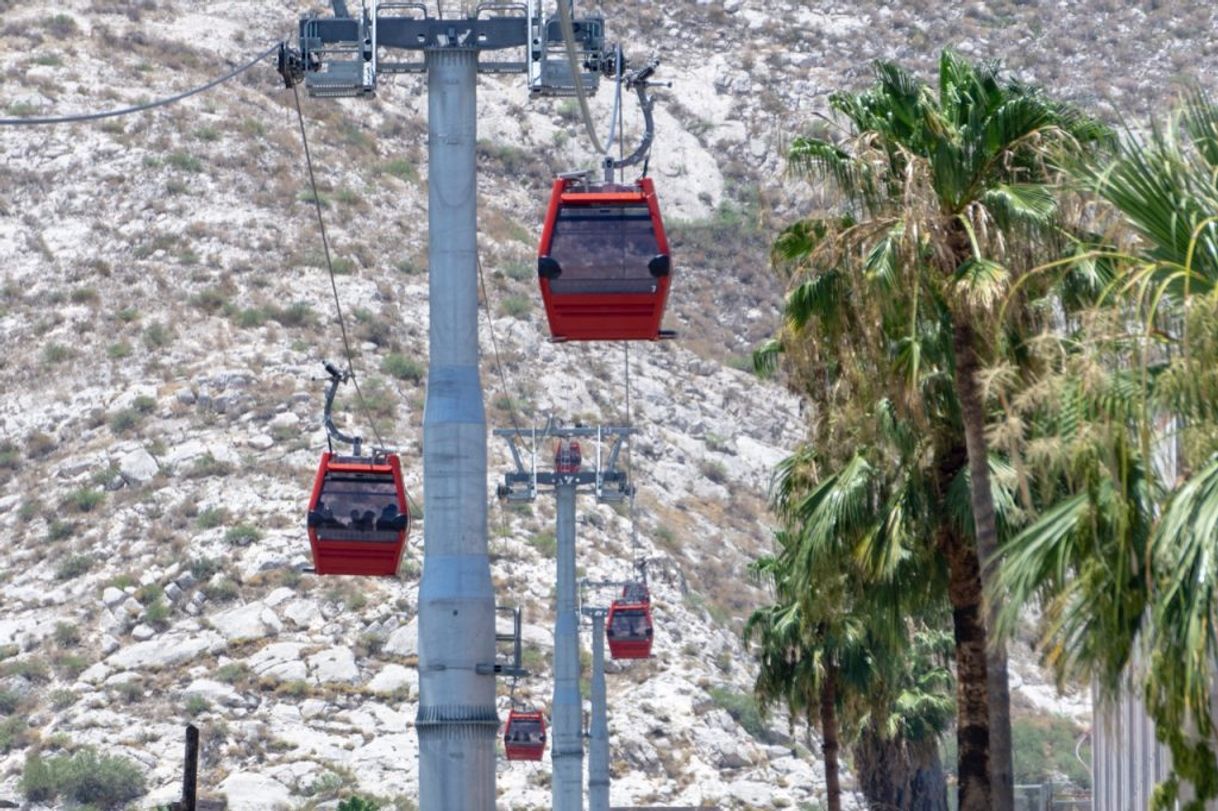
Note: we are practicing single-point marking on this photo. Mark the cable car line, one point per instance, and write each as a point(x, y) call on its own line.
point(338, 307)
point(138, 108)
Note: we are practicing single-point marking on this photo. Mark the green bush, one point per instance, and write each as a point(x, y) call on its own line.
point(66, 635)
point(74, 566)
point(185, 161)
point(545, 542)
point(743, 708)
point(85, 499)
point(124, 420)
point(70, 665)
point(196, 705)
point(118, 351)
point(85, 777)
point(358, 803)
point(221, 591)
point(157, 335)
point(9, 701)
point(296, 314)
point(54, 353)
point(10, 457)
point(243, 535)
point(516, 306)
point(211, 518)
point(204, 569)
point(402, 367)
point(402, 169)
point(208, 465)
point(38, 444)
point(34, 670)
point(14, 733)
point(156, 613)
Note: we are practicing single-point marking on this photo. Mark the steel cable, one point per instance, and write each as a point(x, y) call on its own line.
point(139, 108)
point(338, 307)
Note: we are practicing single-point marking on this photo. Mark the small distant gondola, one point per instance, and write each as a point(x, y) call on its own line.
point(567, 456)
point(358, 515)
point(524, 735)
point(603, 262)
point(628, 627)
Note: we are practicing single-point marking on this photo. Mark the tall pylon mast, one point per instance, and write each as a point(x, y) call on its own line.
point(343, 55)
point(602, 478)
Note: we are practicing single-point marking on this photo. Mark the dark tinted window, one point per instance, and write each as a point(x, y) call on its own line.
point(603, 249)
point(524, 731)
point(630, 624)
point(358, 501)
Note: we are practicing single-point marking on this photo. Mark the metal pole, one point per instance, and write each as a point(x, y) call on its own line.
point(457, 722)
point(190, 769)
point(567, 750)
point(598, 737)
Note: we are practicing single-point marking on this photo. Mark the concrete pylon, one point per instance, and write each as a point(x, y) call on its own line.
point(457, 722)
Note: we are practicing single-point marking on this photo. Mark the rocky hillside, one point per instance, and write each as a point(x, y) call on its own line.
point(165, 309)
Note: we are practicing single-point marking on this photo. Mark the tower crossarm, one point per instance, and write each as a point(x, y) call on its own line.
point(342, 55)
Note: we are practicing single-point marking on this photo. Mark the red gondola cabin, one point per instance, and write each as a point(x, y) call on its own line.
point(358, 515)
point(628, 626)
point(524, 735)
point(567, 456)
point(603, 263)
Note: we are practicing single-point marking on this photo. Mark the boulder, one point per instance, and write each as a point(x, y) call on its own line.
point(138, 466)
point(246, 622)
point(246, 791)
point(335, 664)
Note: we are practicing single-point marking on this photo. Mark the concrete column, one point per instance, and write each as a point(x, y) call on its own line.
point(567, 745)
point(598, 733)
point(457, 722)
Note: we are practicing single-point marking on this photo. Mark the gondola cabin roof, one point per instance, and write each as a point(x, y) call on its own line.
point(358, 516)
point(524, 735)
point(629, 630)
point(603, 262)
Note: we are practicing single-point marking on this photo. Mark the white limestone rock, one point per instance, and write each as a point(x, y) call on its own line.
point(335, 664)
point(304, 613)
point(138, 466)
point(392, 678)
point(215, 692)
point(170, 649)
point(405, 640)
point(281, 661)
point(247, 791)
point(246, 622)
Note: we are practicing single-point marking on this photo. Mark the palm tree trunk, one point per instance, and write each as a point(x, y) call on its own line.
point(972, 712)
point(928, 783)
point(882, 769)
point(829, 739)
point(972, 414)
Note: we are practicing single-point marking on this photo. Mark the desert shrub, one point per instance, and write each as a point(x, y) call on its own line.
point(402, 367)
point(75, 565)
point(38, 444)
point(743, 709)
point(104, 781)
point(242, 535)
point(85, 499)
point(66, 635)
point(516, 306)
point(208, 465)
point(211, 517)
point(196, 705)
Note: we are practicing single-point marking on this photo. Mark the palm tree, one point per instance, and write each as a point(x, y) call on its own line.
point(828, 658)
point(1123, 555)
point(799, 667)
point(946, 199)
